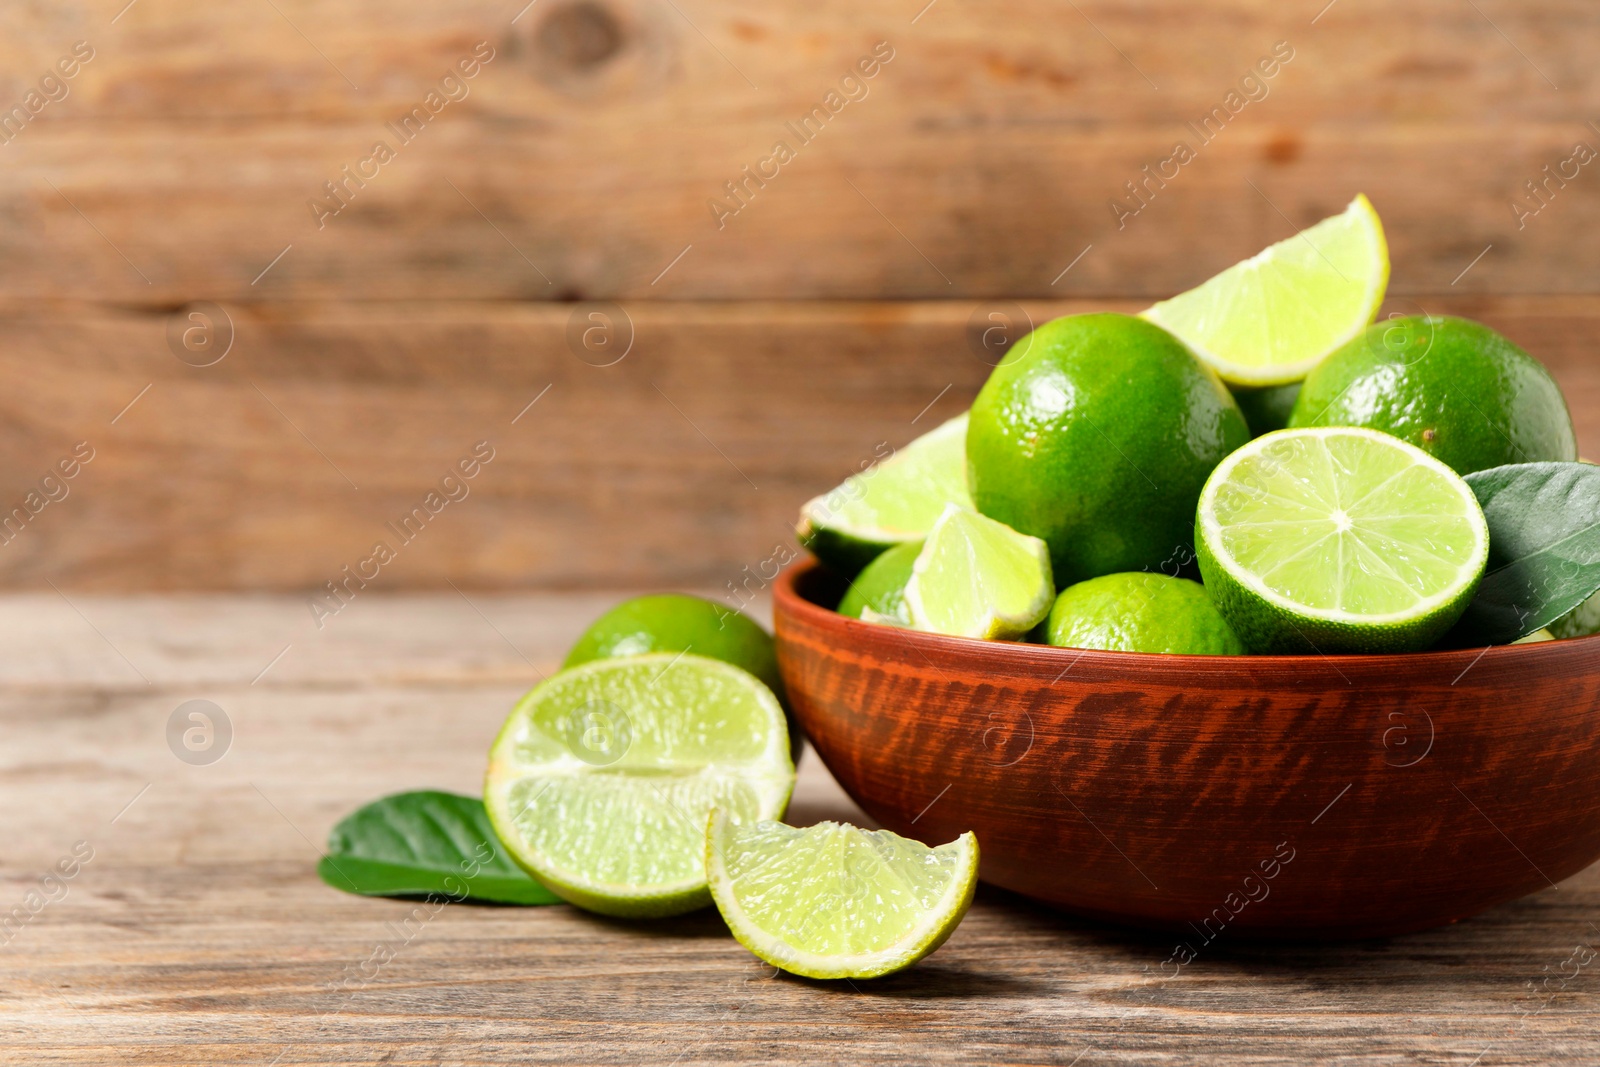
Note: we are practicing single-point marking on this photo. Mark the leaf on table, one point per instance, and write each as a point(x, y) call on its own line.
point(1544, 549)
point(426, 843)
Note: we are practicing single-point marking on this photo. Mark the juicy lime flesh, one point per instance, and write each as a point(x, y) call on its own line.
point(601, 779)
point(896, 499)
point(976, 577)
point(1141, 612)
point(1097, 434)
point(834, 896)
point(1347, 524)
point(1271, 318)
point(1454, 388)
point(674, 622)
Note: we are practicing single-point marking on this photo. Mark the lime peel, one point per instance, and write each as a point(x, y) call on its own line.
point(841, 876)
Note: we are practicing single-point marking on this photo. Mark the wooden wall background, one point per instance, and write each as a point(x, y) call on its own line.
point(768, 356)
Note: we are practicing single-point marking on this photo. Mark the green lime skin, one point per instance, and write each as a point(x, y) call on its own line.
point(1269, 630)
point(1268, 408)
point(1452, 387)
point(1097, 435)
point(882, 585)
point(673, 622)
point(1141, 612)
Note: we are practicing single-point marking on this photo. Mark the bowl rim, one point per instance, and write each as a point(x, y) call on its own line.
point(788, 599)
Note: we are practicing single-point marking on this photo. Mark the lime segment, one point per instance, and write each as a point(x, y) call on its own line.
point(1339, 540)
point(834, 901)
point(602, 777)
point(892, 502)
point(976, 577)
point(1272, 318)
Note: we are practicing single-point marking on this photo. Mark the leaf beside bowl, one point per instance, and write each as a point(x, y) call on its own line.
point(426, 843)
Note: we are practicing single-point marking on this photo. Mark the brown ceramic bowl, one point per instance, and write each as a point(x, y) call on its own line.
point(1348, 796)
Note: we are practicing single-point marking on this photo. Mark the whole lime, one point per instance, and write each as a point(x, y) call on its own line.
point(879, 592)
point(1454, 388)
point(1268, 408)
point(1141, 612)
point(673, 622)
point(1097, 434)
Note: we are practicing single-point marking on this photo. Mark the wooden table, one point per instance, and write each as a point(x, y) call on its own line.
point(198, 932)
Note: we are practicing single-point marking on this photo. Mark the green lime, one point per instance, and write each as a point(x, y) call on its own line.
point(1339, 540)
point(673, 622)
point(879, 592)
point(1581, 621)
point(890, 502)
point(1096, 434)
point(1538, 637)
point(1267, 408)
point(1454, 388)
point(602, 777)
point(1272, 318)
point(833, 901)
point(1141, 612)
point(976, 577)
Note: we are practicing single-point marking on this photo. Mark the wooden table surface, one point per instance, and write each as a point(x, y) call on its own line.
point(197, 932)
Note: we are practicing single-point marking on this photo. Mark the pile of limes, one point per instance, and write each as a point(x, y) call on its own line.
point(1258, 433)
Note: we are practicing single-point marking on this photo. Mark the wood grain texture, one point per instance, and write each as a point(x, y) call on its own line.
point(982, 160)
point(199, 934)
point(1238, 796)
point(686, 462)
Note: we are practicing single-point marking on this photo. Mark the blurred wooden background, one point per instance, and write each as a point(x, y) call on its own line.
point(367, 351)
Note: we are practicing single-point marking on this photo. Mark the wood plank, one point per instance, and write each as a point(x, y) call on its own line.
point(685, 462)
point(199, 934)
point(982, 160)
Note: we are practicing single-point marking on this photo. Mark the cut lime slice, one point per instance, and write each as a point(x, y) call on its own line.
point(601, 779)
point(1272, 318)
point(1339, 540)
point(976, 577)
point(833, 901)
point(892, 502)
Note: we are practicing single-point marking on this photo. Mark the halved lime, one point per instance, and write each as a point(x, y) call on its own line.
point(601, 779)
point(1339, 540)
point(976, 577)
point(834, 901)
point(1272, 318)
point(891, 502)
point(879, 592)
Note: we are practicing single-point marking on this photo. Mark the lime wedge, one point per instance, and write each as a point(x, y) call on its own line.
point(976, 577)
point(1339, 540)
point(1272, 318)
point(892, 502)
point(601, 779)
point(833, 901)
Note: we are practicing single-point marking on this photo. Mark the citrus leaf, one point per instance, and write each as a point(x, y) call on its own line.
point(426, 844)
point(1544, 549)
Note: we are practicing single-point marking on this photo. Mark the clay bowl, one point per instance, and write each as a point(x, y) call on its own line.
point(1324, 797)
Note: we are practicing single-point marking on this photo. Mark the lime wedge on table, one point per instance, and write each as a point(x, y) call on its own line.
point(1272, 318)
point(976, 577)
point(833, 901)
point(602, 778)
point(892, 502)
point(1339, 540)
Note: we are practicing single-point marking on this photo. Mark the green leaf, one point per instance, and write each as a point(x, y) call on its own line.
point(426, 844)
point(1544, 549)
